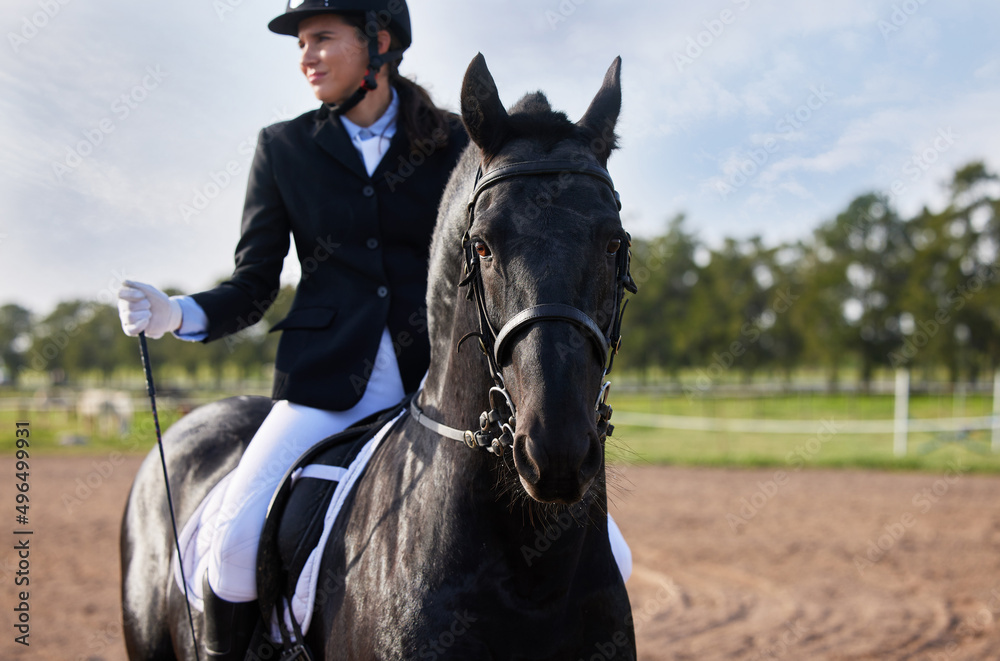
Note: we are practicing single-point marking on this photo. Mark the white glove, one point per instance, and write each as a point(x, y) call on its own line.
point(143, 307)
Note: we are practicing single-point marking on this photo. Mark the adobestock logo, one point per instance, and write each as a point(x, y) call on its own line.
point(566, 9)
point(32, 25)
point(705, 39)
point(752, 163)
point(122, 108)
point(900, 16)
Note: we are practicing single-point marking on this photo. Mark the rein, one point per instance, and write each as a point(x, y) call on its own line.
point(496, 426)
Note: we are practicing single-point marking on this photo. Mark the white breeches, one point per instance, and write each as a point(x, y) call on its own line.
point(620, 549)
point(286, 433)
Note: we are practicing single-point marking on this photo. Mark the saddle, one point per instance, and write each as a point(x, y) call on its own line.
point(295, 525)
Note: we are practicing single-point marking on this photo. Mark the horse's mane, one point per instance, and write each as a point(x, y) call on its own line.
point(446, 248)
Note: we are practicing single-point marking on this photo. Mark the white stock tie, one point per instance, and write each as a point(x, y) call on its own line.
point(371, 148)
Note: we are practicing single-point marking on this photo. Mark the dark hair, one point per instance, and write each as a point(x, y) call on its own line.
point(425, 124)
point(423, 121)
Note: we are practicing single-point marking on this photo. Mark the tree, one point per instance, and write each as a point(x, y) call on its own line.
point(861, 264)
point(655, 330)
point(732, 308)
point(15, 327)
point(55, 336)
point(951, 315)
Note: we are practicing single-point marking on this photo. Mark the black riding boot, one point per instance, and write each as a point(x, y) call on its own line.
point(228, 626)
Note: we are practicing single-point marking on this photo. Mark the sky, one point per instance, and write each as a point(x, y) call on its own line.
point(127, 128)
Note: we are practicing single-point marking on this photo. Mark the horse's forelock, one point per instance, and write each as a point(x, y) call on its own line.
point(533, 118)
point(531, 103)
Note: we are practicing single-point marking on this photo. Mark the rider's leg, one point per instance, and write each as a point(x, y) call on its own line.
point(620, 549)
point(228, 626)
point(287, 432)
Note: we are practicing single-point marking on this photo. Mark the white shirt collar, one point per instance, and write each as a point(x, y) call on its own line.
point(384, 126)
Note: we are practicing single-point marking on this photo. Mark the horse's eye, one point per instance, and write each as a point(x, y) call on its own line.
point(614, 245)
point(482, 249)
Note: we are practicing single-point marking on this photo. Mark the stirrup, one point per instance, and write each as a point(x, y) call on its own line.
point(292, 650)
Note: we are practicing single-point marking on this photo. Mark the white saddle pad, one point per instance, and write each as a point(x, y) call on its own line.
point(196, 536)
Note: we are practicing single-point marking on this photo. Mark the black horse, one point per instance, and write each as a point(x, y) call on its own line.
point(495, 547)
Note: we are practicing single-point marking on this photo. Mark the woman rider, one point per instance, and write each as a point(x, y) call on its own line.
point(357, 183)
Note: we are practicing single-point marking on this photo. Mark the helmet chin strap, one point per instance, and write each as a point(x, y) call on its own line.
point(338, 109)
point(375, 62)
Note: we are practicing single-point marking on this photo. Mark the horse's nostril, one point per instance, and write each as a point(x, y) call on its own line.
point(559, 471)
point(527, 467)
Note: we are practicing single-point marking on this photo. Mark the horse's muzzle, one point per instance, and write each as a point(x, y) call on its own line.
point(557, 464)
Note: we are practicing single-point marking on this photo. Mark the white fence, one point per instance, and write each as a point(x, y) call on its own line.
point(900, 426)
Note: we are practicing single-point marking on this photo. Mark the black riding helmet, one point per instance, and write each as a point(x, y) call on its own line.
point(391, 15)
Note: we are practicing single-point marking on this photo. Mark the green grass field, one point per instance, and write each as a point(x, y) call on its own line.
point(926, 451)
point(54, 432)
point(636, 444)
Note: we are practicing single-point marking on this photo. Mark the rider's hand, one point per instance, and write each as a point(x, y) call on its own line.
point(143, 307)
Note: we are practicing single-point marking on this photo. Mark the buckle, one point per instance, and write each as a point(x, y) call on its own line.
point(297, 652)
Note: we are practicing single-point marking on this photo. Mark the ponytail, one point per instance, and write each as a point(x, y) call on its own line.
point(424, 123)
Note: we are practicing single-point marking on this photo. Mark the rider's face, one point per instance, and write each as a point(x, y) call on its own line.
point(333, 57)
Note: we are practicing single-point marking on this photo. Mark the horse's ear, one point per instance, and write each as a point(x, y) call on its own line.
point(602, 115)
point(484, 115)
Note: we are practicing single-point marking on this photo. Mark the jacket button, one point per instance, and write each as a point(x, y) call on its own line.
point(383, 291)
point(368, 191)
point(372, 244)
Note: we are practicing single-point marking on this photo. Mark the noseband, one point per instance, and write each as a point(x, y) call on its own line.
point(497, 425)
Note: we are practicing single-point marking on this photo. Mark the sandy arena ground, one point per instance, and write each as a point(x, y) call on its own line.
point(729, 564)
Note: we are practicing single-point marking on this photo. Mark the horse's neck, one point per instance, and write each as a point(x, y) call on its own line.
point(457, 385)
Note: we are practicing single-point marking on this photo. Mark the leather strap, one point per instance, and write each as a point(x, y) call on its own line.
point(484, 181)
point(438, 428)
point(552, 312)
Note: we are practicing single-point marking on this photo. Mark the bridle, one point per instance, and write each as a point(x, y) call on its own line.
point(496, 426)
